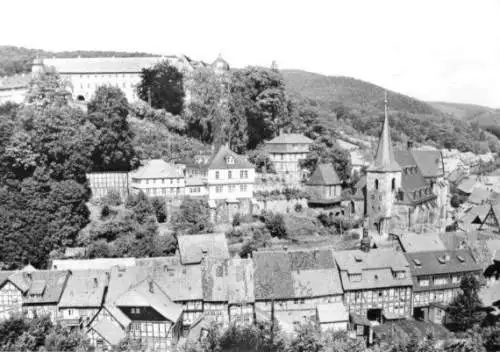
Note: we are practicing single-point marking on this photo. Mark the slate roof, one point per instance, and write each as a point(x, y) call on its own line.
point(148, 293)
point(104, 64)
point(41, 286)
point(471, 215)
point(384, 158)
point(109, 331)
point(157, 168)
point(479, 195)
point(414, 242)
point(295, 274)
point(91, 264)
point(430, 265)
point(332, 312)
point(467, 185)
point(412, 181)
point(85, 288)
point(219, 160)
point(430, 162)
point(376, 267)
point(324, 175)
point(192, 247)
point(4, 275)
point(288, 143)
point(228, 280)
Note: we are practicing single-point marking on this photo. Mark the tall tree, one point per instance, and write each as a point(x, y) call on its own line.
point(192, 217)
point(108, 111)
point(465, 310)
point(163, 87)
point(327, 151)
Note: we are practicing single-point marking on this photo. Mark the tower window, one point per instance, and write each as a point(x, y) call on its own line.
point(393, 184)
point(376, 184)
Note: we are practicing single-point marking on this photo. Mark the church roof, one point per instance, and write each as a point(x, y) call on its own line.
point(324, 175)
point(430, 162)
point(384, 159)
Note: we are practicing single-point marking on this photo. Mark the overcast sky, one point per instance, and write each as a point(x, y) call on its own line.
point(430, 49)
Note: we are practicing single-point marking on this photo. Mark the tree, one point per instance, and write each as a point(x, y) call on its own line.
point(276, 225)
point(65, 339)
point(159, 209)
point(48, 89)
point(327, 151)
point(192, 217)
point(108, 111)
point(307, 339)
point(464, 310)
point(162, 86)
point(141, 206)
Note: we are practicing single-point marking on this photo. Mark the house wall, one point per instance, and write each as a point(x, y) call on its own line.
point(157, 335)
point(77, 313)
point(160, 187)
point(11, 301)
point(235, 183)
point(38, 310)
point(103, 182)
point(296, 304)
point(394, 299)
point(217, 311)
point(336, 326)
point(241, 313)
point(192, 310)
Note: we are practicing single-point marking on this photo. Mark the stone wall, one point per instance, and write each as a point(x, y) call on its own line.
point(275, 182)
point(279, 205)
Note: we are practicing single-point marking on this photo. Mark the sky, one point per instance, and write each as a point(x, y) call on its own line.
point(434, 50)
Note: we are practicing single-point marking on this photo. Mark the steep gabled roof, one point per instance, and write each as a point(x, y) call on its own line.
point(220, 160)
point(110, 332)
point(430, 162)
point(45, 286)
point(324, 175)
point(85, 288)
point(384, 159)
point(413, 182)
point(290, 138)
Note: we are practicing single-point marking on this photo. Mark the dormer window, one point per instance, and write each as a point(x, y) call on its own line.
point(230, 160)
point(399, 275)
point(355, 277)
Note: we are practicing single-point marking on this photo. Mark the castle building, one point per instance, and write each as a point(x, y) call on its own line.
point(394, 193)
point(85, 75)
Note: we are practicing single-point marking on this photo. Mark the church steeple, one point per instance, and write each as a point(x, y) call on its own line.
point(384, 159)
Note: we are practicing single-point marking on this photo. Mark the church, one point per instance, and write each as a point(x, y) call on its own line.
point(403, 189)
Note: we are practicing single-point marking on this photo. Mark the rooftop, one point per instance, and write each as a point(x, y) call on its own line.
point(295, 274)
point(85, 288)
point(413, 242)
point(91, 264)
point(332, 312)
point(40, 286)
point(157, 168)
point(225, 158)
point(430, 162)
point(384, 158)
point(290, 138)
point(193, 248)
point(324, 175)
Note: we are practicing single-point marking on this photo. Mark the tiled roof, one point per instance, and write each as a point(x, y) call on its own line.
point(290, 138)
point(414, 242)
point(85, 288)
point(109, 331)
point(228, 280)
point(4, 275)
point(105, 64)
point(225, 158)
point(91, 264)
point(295, 274)
point(148, 293)
point(467, 185)
point(157, 168)
point(377, 268)
point(430, 162)
point(332, 312)
point(193, 247)
point(324, 175)
point(412, 182)
point(384, 157)
point(479, 211)
point(480, 194)
point(14, 82)
point(440, 262)
point(44, 286)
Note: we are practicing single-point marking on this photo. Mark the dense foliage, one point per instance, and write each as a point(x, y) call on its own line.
point(193, 216)
point(162, 86)
point(108, 110)
point(465, 310)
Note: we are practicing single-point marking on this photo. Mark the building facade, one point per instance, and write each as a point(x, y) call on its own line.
point(377, 284)
point(286, 151)
point(436, 277)
point(157, 178)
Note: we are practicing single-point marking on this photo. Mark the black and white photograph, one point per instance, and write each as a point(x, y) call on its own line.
point(250, 176)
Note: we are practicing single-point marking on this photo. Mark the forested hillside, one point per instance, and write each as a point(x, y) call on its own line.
point(354, 104)
point(14, 59)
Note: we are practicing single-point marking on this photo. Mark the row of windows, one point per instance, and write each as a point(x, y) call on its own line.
point(96, 85)
point(397, 275)
point(153, 181)
point(162, 191)
point(243, 174)
point(230, 188)
point(439, 280)
point(149, 329)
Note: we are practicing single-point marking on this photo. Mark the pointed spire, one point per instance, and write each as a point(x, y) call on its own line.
point(384, 159)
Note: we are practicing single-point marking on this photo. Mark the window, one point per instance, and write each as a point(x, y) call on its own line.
point(243, 188)
point(423, 282)
point(229, 174)
point(455, 279)
point(376, 184)
point(355, 277)
point(400, 275)
point(393, 184)
point(217, 175)
point(230, 160)
point(135, 310)
point(243, 174)
point(218, 189)
point(231, 188)
point(440, 281)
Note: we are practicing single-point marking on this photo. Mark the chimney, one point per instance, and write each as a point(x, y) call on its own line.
point(409, 145)
point(96, 282)
point(151, 286)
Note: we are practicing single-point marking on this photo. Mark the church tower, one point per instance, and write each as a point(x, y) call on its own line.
point(383, 181)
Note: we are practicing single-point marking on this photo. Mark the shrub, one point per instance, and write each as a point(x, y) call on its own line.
point(236, 219)
point(298, 208)
point(112, 198)
point(159, 209)
point(105, 212)
point(275, 224)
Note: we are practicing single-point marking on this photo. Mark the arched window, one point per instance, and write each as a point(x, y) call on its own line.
point(376, 184)
point(393, 184)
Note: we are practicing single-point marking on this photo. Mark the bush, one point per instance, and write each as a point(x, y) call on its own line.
point(275, 224)
point(105, 212)
point(236, 219)
point(99, 249)
point(298, 208)
point(159, 209)
point(112, 198)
